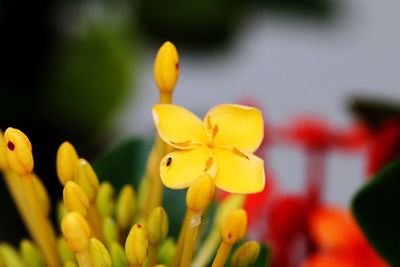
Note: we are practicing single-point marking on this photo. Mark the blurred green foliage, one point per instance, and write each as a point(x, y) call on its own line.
point(376, 211)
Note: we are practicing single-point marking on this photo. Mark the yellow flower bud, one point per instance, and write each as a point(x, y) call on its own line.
point(75, 199)
point(166, 67)
point(105, 199)
point(98, 254)
point(76, 232)
point(66, 160)
point(42, 195)
point(110, 231)
point(118, 257)
point(87, 179)
point(18, 151)
point(64, 252)
point(126, 207)
point(70, 264)
point(157, 226)
point(3, 156)
point(30, 254)
point(200, 193)
point(234, 227)
point(246, 254)
point(9, 256)
point(136, 245)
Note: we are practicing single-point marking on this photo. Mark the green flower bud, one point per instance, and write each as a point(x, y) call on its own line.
point(110, 231)
point(246, 254)
point(157, 226)
point(61, 212)
point(64, 252)
point(98, 254)
point(105, 199)
point(118, 257)
point(10, 257)
point(126, 207)
point(70, 264)
point(167, 251)
point(30, 254)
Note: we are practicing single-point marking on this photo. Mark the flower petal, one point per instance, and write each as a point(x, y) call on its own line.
point(239, 172)
point(178, 127)
point(180, 168)
point(235, 125)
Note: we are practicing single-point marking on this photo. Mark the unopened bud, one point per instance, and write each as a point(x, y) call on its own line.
point(200, 193)
point(98, 254)
point(76, 232)
point(125, 207)
point(3, 156)
point(66, 160)
point(105, 199)
point(70, 264)
point(18, 151)
point(166, 67)
point(9, 256)
point(30, 254)
point(246, 254)
point(167, 251)
point(87, 179)
point(136, 245)
point(110, 231)
point(61, 212)
point(234, 227)
point(157, 226)
point(118, 257)
point(64, 252)
point(75, 199)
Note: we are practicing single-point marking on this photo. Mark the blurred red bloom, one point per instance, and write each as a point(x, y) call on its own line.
point(339, 241)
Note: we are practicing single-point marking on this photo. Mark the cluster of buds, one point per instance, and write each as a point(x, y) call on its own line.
point(101, 227)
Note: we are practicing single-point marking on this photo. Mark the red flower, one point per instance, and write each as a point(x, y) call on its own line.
point(339, 241)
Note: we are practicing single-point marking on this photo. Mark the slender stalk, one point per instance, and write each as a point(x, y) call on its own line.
point(194, 220)
point(181, 240)
point(315, 174)
point(152, 255)
point(43, 232)
point(208, 249)
point(222, 255)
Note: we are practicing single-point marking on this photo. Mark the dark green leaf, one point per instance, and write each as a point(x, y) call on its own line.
point(376, 210)
point(264, 258)
point(124, 164)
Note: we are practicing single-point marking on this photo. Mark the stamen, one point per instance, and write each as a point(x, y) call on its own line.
point(214, 131)
point(240, 153)
point(209, 124)
point(208, 164)
point(182, 144)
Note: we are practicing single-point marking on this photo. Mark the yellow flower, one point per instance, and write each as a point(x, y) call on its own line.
point(221, 145)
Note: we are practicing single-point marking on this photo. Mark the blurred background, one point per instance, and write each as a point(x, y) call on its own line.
point(83, 71)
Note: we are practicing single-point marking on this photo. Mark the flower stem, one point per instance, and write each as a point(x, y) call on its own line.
point(181, 240)
point(194, 222)
point(43, 232)
point(152, 255)
point(222, 255)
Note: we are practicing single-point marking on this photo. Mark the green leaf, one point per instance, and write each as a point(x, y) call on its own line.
point(124, 164)
point(264, 258)
point(375, 208)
